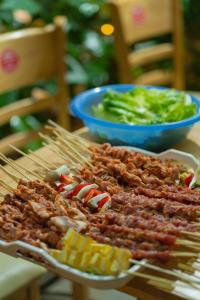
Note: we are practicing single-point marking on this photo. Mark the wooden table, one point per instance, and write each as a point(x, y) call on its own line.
point(137, 287)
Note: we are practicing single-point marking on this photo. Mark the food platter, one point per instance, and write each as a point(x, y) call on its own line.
point(41, 257)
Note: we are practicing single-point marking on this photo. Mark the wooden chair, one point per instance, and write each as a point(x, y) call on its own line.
point(27, 56)
point(139, 20)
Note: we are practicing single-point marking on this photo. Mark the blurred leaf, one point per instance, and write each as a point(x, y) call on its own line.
point(76, 74)
point(31, 6)
point(186, 5)
point(5, 17)
point(138, 71)
point(97, 72)
point(32, 123)
point(36, 144)
point(94, 43)
point(25, 124)
point(8, 98)
point(50, 86)
point(89, 9)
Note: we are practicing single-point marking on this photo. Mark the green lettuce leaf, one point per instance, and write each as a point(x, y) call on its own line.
point(142, 106)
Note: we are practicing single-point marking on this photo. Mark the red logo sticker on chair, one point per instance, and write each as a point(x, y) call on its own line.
point(138, 15)
point(9, 60)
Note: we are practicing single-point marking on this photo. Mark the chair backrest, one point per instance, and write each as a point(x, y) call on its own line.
point(26, 57)
point(139, 20)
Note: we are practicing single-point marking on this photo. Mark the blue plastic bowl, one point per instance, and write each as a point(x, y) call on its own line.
point(151, 137)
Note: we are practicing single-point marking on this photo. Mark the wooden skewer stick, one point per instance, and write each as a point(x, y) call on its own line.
point(57, 146)
point(69, 155)
point(187, 243)
point(54, 150)
point(196, 223)
point(195, 234)
point(11, 175)
point(73, 139)
point(72, 152)
point(84, 141)
point(70, 136)
point(75, 152)
point(184, 254)
point(163, 281)
point(6, 186)
point(19, 167)
point(9, 162)
point(48, 163)
point(66, 156)
point(165, 288)
point(33, 173)
point(178, 274)
point(1, 194)
point(29, 157)
point(197, 264)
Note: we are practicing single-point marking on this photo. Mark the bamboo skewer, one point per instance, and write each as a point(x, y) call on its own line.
point(72, 142)
point(76, 153)
point(188, 243)
point(84, 141)
point(67, 156)
point(12, 176)
point(70, 137)
point(37, 175)
point(6, 186)
point(29, 157)
point(16, 164)
point(73, 139)
point(163, 281)
point(68, 152)
point(195, 234)
point(42, 159)
point(1, 196)
point(183, 254)
point(178, 274)
point(55, 150)
point(17, 169)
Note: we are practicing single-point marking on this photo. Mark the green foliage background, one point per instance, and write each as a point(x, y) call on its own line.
point(90, 55)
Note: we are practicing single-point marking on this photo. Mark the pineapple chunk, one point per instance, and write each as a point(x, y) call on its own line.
point(74, 259)
point(89, 256)
point(55, 253)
